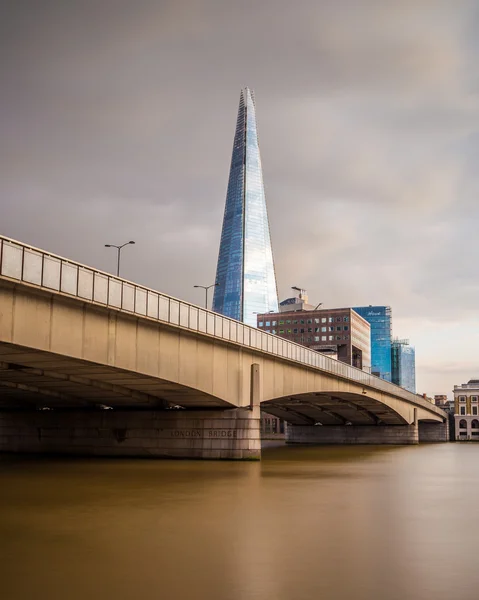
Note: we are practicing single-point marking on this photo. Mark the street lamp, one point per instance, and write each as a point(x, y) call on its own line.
point(206, 288)
point(119, 252)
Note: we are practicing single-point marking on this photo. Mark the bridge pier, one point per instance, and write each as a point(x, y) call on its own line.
point(198, 434)
point(352, 434)
point(434, 432)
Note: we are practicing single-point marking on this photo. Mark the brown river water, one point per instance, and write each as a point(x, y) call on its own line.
point(352, 523)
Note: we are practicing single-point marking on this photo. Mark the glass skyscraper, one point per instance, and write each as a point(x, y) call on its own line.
point(246, 282)
point(403, 358)
point(379, 317)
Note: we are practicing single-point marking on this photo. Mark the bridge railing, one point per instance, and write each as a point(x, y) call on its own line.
point(21, 262)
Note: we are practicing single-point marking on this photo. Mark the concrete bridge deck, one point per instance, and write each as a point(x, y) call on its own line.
point(76, 340)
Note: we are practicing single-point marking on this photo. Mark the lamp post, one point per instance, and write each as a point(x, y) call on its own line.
point(206, 288)
point(119, 253)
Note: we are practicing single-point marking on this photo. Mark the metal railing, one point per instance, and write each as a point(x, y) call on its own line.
point(21, 262)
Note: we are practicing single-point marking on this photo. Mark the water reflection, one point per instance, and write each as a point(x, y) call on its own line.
point(330, 523)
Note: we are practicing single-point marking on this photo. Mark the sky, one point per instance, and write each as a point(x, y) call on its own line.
point(117, 121)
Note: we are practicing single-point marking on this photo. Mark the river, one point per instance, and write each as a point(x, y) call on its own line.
point(324, 523)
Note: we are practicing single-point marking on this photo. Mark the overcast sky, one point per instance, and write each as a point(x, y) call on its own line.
point(117, 121)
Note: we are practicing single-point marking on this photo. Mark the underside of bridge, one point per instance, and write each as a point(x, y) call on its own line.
point(60, 405)
point(345, 418)
point(339, 408)
point(35, 379)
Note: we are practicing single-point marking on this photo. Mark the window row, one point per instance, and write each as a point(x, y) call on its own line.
point(474, 409)
point(463, 398)
point(310, 329)
point(302, 321)
point(301, 338)
point(463, 424)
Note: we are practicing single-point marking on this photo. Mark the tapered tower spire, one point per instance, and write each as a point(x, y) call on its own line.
point(245, 272)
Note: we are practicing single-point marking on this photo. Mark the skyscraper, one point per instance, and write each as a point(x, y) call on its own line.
point(379, 317)
point(246, 282)
point(403, 360)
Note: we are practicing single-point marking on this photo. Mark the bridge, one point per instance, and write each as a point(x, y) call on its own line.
point(94, 364)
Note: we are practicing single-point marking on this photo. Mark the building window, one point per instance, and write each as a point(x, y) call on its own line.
point(260, 324)
point(331, 329)
point(310, 321)
point(288, 322)
point(462, 411)
point(462, 424)
point(273, 331)
point(338, 319)
point(323, 338)
point(324, 328)
point(281, 322)
point(474, 398)
point(324, 320)
point(475, 424)
point(274, 323)
point(331, 338)
point(295, 322)
point(346, 319)
point(316, 338)
point(289, 331)
point(295, 330)
point(462, 398)
point(316, 321)
point(310, 339)
point(310, 330)
point(474, 410)
point(316, 329)
point(338, 337)
point(268, 323)
point(331, 320)
point(302, 321)
point(338, 328)
point(346, 328)
point(281, 330)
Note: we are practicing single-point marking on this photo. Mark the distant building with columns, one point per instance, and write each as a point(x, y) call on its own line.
point(466, 411)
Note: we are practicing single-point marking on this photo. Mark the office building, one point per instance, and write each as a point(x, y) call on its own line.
point(379, 318)
point(245, 277)
point(403, 363)
point(339, 332)
point(466, 411)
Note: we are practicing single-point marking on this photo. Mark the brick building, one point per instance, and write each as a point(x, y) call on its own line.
point(340, 332)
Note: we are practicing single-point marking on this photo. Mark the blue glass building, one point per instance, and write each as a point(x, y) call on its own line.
point(403, 359)
point(246, 282)
point(379, 317)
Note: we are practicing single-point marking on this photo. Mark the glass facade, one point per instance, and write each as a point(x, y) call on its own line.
point(403, 359)
point(379, 317)
point(245, 272)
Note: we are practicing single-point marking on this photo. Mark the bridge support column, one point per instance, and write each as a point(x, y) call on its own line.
point(229, 434)
point(434, 432)
point(352, 434)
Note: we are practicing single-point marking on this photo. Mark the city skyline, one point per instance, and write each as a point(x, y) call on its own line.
point(245, 277)
point(368, 164)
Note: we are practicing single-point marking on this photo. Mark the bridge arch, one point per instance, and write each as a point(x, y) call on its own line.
point(333, 408)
